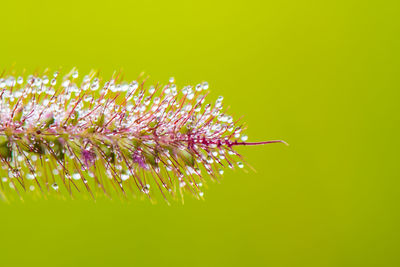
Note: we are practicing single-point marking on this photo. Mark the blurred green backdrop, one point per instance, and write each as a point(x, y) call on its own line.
point(322, 75)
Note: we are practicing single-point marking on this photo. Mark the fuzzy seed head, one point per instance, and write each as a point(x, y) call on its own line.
point(70, 135)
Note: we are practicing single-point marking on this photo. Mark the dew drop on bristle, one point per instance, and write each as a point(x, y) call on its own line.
point(54, 186)
point(20, 80)
point(45, 80)
point(146, 189)
point(152, 90)
point(124, 177)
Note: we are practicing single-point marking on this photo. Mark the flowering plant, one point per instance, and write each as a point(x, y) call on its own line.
point(66, 135)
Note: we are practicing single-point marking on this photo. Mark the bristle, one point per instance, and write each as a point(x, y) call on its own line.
point(69, 136)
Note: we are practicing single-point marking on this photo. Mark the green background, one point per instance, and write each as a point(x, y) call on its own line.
point(322, 75)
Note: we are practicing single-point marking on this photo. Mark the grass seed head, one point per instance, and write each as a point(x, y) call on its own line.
point(67, 136)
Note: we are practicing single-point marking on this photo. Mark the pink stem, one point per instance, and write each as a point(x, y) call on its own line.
point(259, 143)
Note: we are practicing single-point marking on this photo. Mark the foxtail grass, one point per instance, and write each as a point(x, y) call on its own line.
point(69, 136)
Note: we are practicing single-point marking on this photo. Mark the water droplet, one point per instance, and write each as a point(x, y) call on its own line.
point(152, 90)
point(55, 186)
point(244, 138)
point(95, 85)
point(11, 81)
point(146, 189)
point(133, 86)
point(221, 171)
point(85, 86)
point(205, 85)
point(146, 101)
point(30, 176)
point(76, 176)
point(190, 96)
point(240, 164)
point(124, 177)
point(88, 98)
point(65, 83)
point(45, 80)
point(75, 74)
